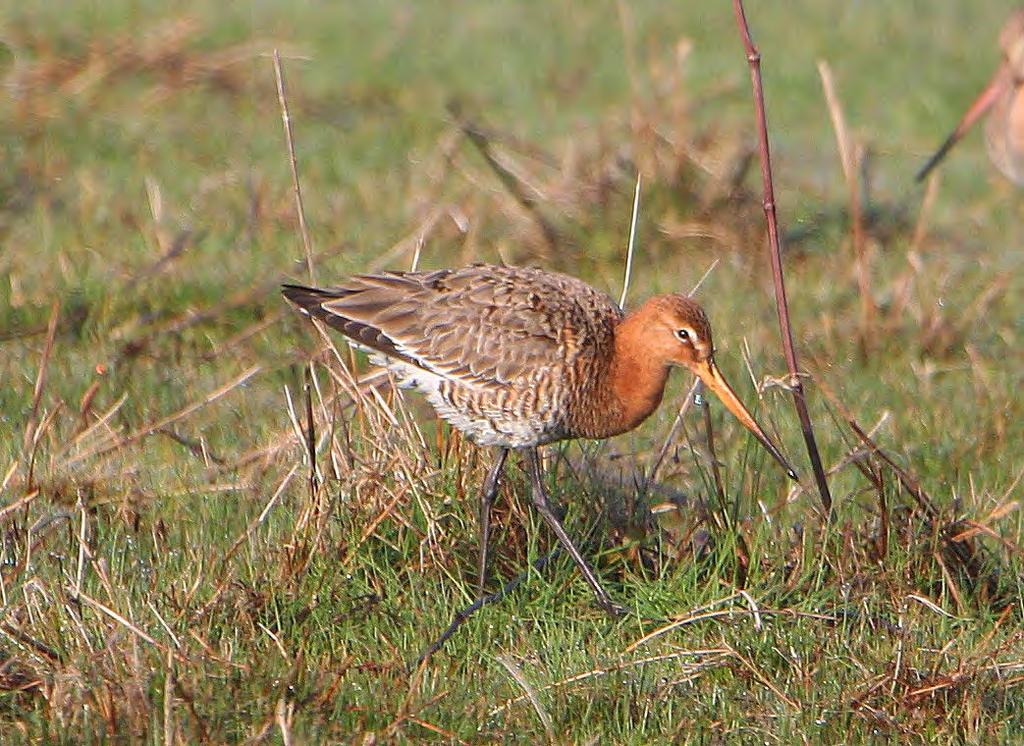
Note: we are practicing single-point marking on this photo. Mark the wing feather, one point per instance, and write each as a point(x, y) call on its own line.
point(480, 325)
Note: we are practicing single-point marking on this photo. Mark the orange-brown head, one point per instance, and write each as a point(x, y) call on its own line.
point(673, 330)
point(1006, 88)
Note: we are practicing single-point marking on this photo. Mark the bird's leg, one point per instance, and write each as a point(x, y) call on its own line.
point(488, 492)
point(543, 505)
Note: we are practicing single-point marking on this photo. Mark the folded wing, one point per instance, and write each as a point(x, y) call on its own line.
point(478, 325)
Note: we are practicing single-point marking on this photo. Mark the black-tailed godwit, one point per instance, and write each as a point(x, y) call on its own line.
point(1003, 100)
point(517, 357)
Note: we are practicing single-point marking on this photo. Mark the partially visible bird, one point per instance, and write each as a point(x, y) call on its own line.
point(517, 357)
point(1003, 101)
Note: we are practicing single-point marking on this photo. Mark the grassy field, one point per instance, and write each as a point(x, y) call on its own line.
point(167, 572)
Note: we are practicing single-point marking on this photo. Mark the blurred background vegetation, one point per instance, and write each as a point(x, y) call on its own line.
point(167, 573)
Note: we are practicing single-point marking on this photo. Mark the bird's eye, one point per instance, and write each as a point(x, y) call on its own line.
point(683, 335)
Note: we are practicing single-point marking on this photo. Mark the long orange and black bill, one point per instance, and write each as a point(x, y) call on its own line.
point(714, 380)
point(995, 88)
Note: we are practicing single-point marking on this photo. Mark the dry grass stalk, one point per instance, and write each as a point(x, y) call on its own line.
point(146, 430)
point(40, 648)
point(311, 444)
point(282, 99)
point(712, 658)
point(754, 59)
point(100, 422)
point(221, 349)
point(853, 455)
point(763, 678)
point(520, 678)
point(479, 137)
point(32, 429)
point(7, 476)
point(170, 730)
point(262, 516)
point(906, 479)
point(120, 619)
point(83, 532)
point(21, 502)
point(754, 612)
point(137, 342)
point(851, 157)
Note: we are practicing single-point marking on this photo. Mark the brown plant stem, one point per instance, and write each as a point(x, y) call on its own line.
point(754, 59)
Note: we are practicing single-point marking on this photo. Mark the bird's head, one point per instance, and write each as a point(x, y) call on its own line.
point(676, 331)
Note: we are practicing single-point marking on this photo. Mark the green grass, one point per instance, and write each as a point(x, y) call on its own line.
point(309, 625)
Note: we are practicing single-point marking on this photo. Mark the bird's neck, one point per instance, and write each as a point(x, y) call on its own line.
point(635, 379)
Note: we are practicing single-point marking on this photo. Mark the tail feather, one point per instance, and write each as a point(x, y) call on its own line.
point(309, 299)
point(311, 302)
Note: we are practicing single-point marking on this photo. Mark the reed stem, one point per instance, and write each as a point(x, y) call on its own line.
point(789, 351)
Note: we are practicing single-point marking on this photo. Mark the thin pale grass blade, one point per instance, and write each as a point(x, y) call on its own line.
point(929, 604)
point(120, 619)
point(715, 657)
point(632, 243)
point(147, 430)
point(40, 384)
point(300, 210)
point(763, 678)
point(851, 157)
point(520, 678)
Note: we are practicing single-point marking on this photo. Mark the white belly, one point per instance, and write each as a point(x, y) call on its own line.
point(475, 411)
